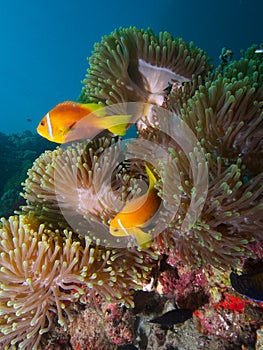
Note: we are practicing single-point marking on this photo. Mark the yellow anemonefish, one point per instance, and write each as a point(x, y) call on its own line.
point(136, 214)
point(71, 121)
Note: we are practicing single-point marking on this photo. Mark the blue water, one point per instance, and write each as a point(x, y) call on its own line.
point(44, 44)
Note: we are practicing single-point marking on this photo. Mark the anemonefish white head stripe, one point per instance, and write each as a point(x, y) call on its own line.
point(49, 126)
point(122, 227)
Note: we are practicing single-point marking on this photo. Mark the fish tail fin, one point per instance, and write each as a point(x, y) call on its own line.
point(152, 178)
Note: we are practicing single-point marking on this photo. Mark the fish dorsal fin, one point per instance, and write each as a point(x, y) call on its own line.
point(68, 103)
point(89, 107)
point(64, 106)
point(132, 205)
point(86, 105)
point(94, 107)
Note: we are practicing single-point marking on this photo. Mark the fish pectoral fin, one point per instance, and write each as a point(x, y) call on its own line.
point(71, 126)
point(96, 108)
point(64, 131)
point(68, 132)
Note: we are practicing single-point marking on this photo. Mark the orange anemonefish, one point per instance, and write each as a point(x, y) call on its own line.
point(136, 214)
point(71, 121)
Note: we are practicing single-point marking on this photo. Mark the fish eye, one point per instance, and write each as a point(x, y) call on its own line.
point(116, 230)
point(42, 123)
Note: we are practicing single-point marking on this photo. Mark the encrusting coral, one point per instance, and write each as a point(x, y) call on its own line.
point(43, 271)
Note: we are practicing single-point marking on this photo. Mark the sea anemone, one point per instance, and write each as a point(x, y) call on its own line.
point(41, 272)
point(133, 65)
point(227, 118)
point(225, 109)
point(226, 215)
point(249, 67)
point(82, 187)
point(58, 179)
point(229, 220)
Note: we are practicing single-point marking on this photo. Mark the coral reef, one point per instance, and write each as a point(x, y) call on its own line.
point(85, 336)
point(221, 319)
point(259, 343)
point(64, 274)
